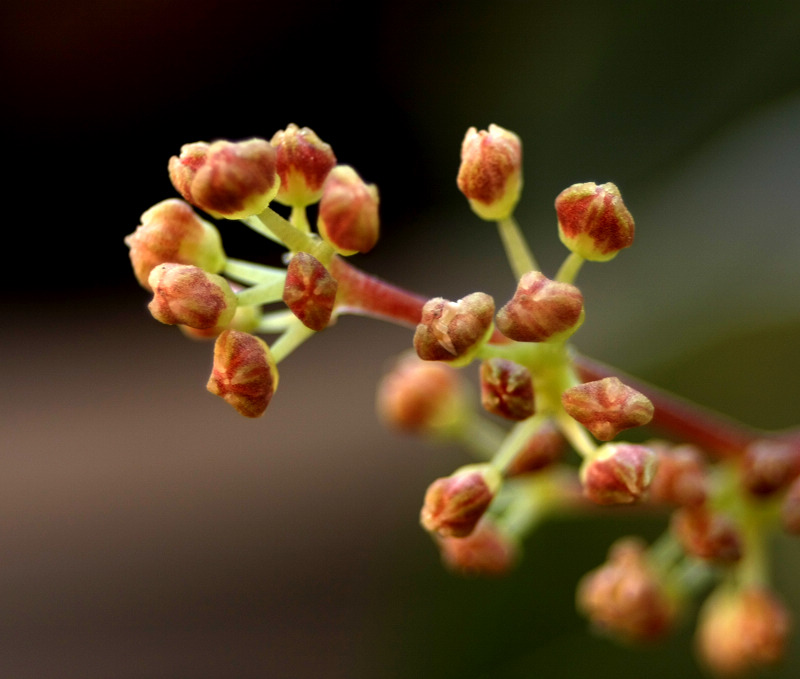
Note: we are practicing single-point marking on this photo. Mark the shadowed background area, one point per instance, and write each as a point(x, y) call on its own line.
point(149, 531)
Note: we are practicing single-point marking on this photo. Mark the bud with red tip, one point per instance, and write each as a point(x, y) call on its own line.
point(769, 466)
point(542, 449)
point(187, 295)
point(541, 309)
point(227, 179)
point(681, 478)
point(625, 596)
point(487, 551)
point(303, 164)
point(348, 212)
point(707, 535)
point(244, 372)
point(506, 389)
point(490, 175)
point(606, 407)
point(454, 331)
point(593, 222)
point(171, 232)
point(618, 473)
point(310, 291)
point(454, 504)
point(740, 631)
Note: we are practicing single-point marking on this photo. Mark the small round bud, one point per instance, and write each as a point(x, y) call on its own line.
point(348, 212)
point(593, 222)
point(506, 389)
point(310, 291)
point(490, 175)
point(244, 372)
point(769, 466)
point(541, 309)
point(303, 163)
point(681, 478)
point(187, 295)
point(227, 179)
point(487, 551)
point(454, 331)
point(741, 631)
point(544, 448)
point(706, 535)
point(618, 473)
point(606, 407)
point(171, 232)
point(454, 504)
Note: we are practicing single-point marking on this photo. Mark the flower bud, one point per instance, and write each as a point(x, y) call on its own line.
point(303, 163)
point(227, 179)
point(454, 504)
point(171, 232)
point(506, 389)
point(422, 397)
point(187, 295)
point(490, 175)
point(625, 597)
point(310, 291)
point(681, 477)
point(348, 212)
point(487, 551)
point(454, 331)
point(741, 631)
point(618, 473)
point(541, 309)
point(593, 222)
point(245, 319)
point(706, 535)
point(606, 407)
point(769, 466)
point(244, 372)
point(542, 449)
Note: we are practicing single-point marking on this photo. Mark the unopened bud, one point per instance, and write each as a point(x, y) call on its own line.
point(618, 473)
point(606, 407)
point(541, 450)
point(593, 222)
point(769, 466)
point(454, 504)
point(310, 291)
point(454, 331)
point(171, 232)
point(348, 212)
point(244, 372)
point(187, 295)
point(506, 389)
point(681, 478)
point(227, 179)
point(625, 597)
point(245, 319)
point(707, 535)
point(490, 175)
point(303, 163)
point(487, 551)
point(541, 309)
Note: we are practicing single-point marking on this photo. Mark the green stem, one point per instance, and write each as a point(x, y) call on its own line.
point(482, 436)
point(263, 293)
point(294, 335)
point(569, 269)
point(299, 219)
point(252, 274)
point(518, 253)
point(276, 321)
point(519, 435)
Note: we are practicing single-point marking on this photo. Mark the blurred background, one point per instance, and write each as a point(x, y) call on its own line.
point(149, 531)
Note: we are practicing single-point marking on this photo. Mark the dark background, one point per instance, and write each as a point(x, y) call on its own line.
point(149, 531)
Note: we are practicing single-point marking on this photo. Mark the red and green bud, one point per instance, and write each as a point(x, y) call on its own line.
point(681, 478)
point(544, 448)
point(707, 535)
point(348, 212)
point(618, 473)
point(227, 179)
point(244, 372)
point(171, 232)
point(593, 222)
point(541, 309)
point(769, 466)
point(490, 175)
point(187, 295)
point(454, 331)
point(454, 504)
point(303, 163)
point(606, 407)
point(310, 291)
point(486, 552)
point(507, 389)
point(245, 319)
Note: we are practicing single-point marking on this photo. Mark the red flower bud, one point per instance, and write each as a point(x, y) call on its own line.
point(769, 466)
point(454, 331)
point(543, 449)
point(454, 504)
point(681, 477)
point(310, 291)
point(187, 295)
point(593, 221)
point(541, 309)
point(244, 372)
point(606, 407)
point(486, 551)
point(506, 389)
point(490, 175)
point(226, 179)
point(303, 163)
point(706, 535)
point(348, 212)
point(618, 473)
point(171, 232)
